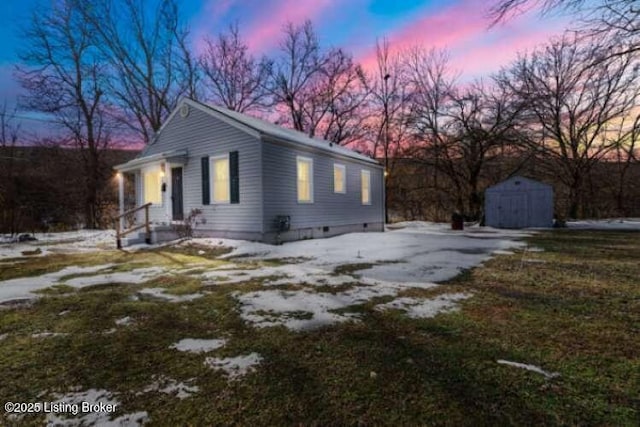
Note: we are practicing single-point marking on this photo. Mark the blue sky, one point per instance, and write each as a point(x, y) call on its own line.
point(458, 25)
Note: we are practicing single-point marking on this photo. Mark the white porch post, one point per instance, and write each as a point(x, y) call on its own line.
point(121, 198)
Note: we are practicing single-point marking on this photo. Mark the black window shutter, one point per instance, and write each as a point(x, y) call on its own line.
point(205, 180)
point(235, 177)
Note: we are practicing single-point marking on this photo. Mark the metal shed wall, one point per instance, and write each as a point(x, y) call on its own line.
point(519, 202)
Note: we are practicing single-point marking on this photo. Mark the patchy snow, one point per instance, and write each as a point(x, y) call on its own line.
point(421, 308)
point(125, 321)
point(48, 334)
point(193, 345)
point(92, 418)
point(619, 224)
point(414, 255)
point(303, 310)
point(64, 312)
point(67, 242)
point(170, 386)
point(533, 261)
point(3, 336)
point(531, 368)
point(235, 367)
point(503, 252)
point(135, 276)
point(161, 293)
point(424, 252)
point(24, 287)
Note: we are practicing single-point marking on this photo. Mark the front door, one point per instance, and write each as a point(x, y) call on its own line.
point(176, 194)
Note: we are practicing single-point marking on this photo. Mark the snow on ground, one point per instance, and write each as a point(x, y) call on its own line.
point(413, 255)
point(125, 321)
point(421, 308)
point(67, 242)
point(235, 367)
point(161, 293)
point(193, 345)
point(48, 334)
point(531, 368)
point(304, 309)
point(619, 224)
point(94, 417)
point(425, 252)
point(23, 288)
point(135, 276)
point(168, 385)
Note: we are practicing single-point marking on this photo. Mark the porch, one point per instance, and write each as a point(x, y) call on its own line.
point(150, 197)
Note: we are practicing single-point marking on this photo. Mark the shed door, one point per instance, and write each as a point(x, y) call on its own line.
point(176, 194)
point(513, 210)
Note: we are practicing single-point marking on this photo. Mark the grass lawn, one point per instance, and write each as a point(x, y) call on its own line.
point(573, 308)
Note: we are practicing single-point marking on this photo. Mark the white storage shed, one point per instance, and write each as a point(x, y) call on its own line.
point(519, 202)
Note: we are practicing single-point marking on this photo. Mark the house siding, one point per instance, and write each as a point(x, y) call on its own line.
point(340, 212)
point(204, 135)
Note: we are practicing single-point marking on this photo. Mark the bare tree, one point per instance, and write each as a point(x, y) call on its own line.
point(484, 123)
point(625, 154)
point(616, 22)
point(232, 77)
point(151, 66)
point(320, 91)
point(576, 102)
point(65, 77)
point(10, 209)
point(461, 132)
point(387, 112)
point(432, 83)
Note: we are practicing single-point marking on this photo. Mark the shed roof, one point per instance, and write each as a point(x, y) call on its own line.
point(530, 183)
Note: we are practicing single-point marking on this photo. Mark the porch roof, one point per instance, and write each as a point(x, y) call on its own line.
point(173, 156)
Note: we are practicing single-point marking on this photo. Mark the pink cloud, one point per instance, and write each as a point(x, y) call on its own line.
point(487, 57)
point(464, 30)
point(446, 28)
point(265, 31)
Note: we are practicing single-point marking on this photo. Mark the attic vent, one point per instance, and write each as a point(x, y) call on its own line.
point(184, 110)
point(517, 183)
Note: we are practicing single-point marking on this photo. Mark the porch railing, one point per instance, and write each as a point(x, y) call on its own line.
point(122, 231)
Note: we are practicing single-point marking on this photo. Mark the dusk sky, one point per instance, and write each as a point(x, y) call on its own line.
point(459, 25)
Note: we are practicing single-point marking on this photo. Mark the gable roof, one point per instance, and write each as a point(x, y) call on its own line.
point(518, 178)
point(264, 128)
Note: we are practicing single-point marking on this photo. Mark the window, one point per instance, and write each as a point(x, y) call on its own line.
point(339, 179)
point(365, 178)
point(305, 180)
point(152, 185)
point(220, 182)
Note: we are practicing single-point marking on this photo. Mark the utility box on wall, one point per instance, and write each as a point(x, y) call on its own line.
point(519, 202)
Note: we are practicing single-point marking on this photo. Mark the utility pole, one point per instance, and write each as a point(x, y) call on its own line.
point(386, 147)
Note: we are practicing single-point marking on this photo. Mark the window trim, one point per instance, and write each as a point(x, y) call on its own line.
point(150, 169)
point(212, 174)
point(367, 173)
point(344, 178)
point(308, 160)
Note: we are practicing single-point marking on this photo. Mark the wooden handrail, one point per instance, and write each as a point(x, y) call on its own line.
point(130, 211)
point(121, 233)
